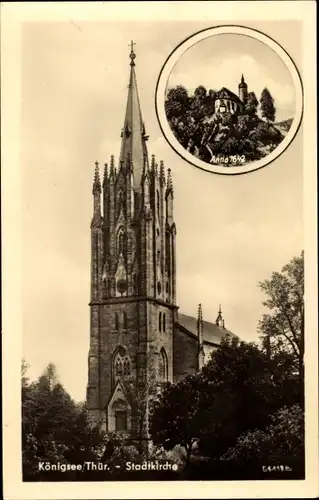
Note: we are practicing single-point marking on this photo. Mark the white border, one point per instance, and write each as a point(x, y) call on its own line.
point(169, 67)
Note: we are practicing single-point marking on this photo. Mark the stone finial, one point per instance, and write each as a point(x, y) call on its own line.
point(162, 171)
point(199, 313)
point(112, 168)
point(169, 180)
point(96, 182)
point(200, 326)
point(153, 166)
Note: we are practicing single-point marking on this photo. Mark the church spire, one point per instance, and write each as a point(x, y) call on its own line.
point(220, 320)
point(133, 133)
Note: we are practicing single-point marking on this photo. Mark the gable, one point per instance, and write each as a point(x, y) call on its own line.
point(227, 94)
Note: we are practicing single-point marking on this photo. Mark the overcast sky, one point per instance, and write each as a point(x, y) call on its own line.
point(232, 231)
point(219, 61)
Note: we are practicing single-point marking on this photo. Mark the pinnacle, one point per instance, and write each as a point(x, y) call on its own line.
point(106, 173)
point(169, 180)
point(97, 173)
point(200, 313)
point(153, 162)
point(96, 182)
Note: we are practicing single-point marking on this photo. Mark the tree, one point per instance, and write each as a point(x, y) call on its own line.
point(267, 106)
point(177, 102)
point(200, 92)
point(239, 377)
point(54, 427)
point(252, 104)
point(176, 417)
point(281, 442)
point(282, 329)
point(210, 407)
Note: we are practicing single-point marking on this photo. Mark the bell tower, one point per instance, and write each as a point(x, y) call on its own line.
point(243, 90)
point(133, 278)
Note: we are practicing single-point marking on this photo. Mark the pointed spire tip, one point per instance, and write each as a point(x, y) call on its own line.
point(132, 53)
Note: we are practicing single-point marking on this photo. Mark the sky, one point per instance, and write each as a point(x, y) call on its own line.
point(219, 61)
point(232, 231)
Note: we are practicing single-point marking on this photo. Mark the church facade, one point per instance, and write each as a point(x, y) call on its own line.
point(138, 337)
point(228, 102)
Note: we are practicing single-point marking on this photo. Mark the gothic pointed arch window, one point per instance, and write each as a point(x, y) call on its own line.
point(160, 321)
point(163, 366)
point(164, 322)
point(121, 367)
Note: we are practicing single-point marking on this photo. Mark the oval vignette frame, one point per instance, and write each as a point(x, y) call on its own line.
point(167, 68)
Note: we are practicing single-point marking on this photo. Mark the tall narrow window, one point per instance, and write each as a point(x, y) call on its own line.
point(164, 323)
point(163, 366)
point(119, 203)
point(121, 243)
point(124, 320)
point(126, 367)
point(158, 203)
point(116, 321)
point(160, 321)
point(167, 252)
point(134, 284)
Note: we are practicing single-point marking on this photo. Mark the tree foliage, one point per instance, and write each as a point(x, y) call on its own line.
point(252, 104)
point(247, 396)
point(54, 427)
point(282, 442)
point(282, 328)
point(267, 106)
point(176, 415)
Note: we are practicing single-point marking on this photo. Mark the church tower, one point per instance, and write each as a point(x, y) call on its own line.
point(133, 279)
point(243, 90)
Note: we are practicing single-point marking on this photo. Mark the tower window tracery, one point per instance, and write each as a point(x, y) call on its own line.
point(121, 364)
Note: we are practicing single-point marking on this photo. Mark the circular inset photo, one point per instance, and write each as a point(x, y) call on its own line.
point(229, 100)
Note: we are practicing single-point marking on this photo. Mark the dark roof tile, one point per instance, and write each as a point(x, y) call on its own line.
point(212, 333)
